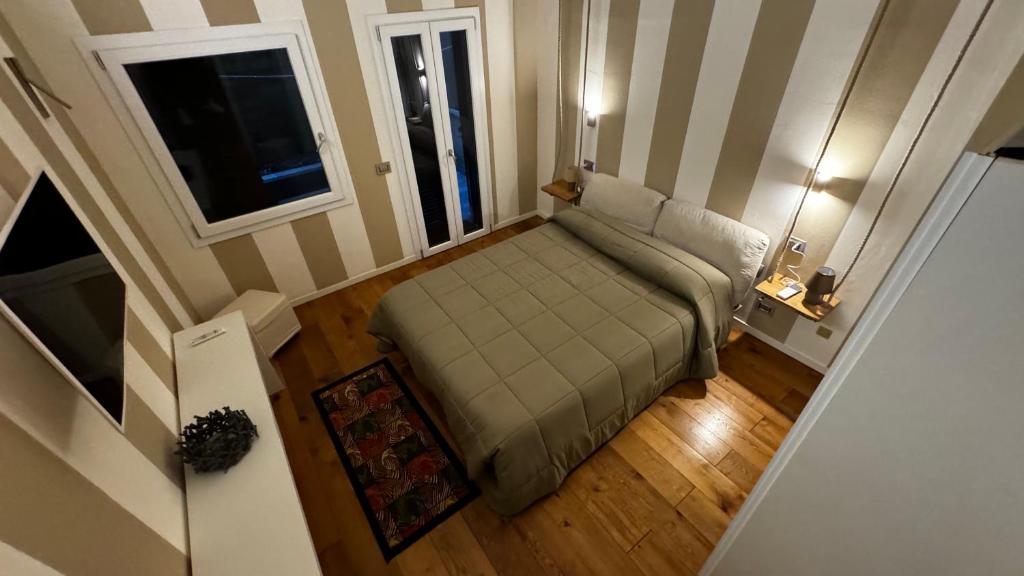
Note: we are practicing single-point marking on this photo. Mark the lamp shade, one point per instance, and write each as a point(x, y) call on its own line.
point(821, 283)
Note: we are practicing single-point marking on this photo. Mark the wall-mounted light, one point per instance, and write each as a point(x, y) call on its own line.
point(592, 107)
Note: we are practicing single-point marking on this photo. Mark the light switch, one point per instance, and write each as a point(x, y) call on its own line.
point(824, 331)
point(382, 168)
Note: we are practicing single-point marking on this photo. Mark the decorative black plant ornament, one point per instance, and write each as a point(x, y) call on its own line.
point(217, 441)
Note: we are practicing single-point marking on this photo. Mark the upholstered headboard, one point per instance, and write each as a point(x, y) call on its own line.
point(634, 204)
point(733, 247)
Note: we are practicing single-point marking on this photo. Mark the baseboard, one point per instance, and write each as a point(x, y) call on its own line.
point(514, 220)
point(354, 279)
point(781, 347)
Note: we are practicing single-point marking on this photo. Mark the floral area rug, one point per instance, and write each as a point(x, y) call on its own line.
point(405, 474)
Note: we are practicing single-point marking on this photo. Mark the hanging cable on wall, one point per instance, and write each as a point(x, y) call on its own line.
point(914, 142)
point(812, 177)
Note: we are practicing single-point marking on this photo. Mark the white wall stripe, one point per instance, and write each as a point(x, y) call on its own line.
point(285, 261)
point(655, 19)
point(830, 45)
point(37, 399)
point(141, 378)
point(169, 14)
point(271, 10)
point(441, 4)
point(861, 285)
point(732, 26)
point(17, 562)
point(378, 99)
point(502, 107)
point(594, 76)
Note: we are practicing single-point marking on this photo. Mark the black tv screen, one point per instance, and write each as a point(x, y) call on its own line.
point(59, 289)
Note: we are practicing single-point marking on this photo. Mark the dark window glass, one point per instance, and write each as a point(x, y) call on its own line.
point(460, 111)
point(236, 127)
point(419, 124)
point(54, 278)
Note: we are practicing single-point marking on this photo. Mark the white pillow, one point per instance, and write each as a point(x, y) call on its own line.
point(630, 202)
point(734, 248)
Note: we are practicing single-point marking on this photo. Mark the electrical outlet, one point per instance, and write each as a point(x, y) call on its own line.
point(764, 305)
point(382, 168)
point(588, 165)
point(798, 245)
point(824, 331)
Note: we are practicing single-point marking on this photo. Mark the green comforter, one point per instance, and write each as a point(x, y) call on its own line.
point(542, 347)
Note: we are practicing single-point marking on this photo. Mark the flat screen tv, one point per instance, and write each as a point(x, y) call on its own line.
point(60, 290)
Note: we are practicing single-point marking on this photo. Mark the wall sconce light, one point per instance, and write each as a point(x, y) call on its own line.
point(592, 108)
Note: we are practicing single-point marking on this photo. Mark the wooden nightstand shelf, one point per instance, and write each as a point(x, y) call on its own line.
point(560, 189)
point(816, 313)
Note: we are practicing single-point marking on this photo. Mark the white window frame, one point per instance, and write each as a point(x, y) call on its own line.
point(106, 57)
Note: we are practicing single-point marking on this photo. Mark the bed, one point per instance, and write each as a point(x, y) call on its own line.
point(542, 347)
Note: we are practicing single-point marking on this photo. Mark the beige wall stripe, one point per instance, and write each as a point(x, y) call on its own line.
point(107, 184)
point(146, 345)
point(320, 249)
point(688, 33)
point(12, 96)
point(487, 92)
point(13, 176)
point(335, 45)
point(1005, 118)
point(618, 64)
point(243, 264)
point(228, 12)
point(147, 432)
point(906, 39)
point(777, 37)
point(525, 31)
point(403, 6)
point(67, 522)
point(112, 16)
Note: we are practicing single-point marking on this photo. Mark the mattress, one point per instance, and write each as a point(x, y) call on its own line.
point(542, 347)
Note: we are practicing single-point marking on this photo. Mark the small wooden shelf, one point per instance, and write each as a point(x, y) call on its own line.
point(560, 189)
point(814, 312)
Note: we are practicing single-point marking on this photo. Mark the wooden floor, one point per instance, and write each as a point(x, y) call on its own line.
point(653, 501)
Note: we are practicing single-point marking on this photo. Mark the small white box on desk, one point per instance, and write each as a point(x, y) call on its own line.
point(269, 315)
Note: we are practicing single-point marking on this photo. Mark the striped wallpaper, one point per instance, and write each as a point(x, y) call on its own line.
point(129, 483)
point(304, 257)
point(727, 104)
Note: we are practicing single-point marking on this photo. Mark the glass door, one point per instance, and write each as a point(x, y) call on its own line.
point(435, 75)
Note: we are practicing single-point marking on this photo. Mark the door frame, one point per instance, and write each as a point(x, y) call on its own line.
point(481, 109)
point(402, 144)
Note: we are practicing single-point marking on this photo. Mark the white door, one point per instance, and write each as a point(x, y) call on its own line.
point(435, 77)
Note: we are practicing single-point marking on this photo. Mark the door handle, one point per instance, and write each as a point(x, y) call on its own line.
point(451, 153)
point(323, 140)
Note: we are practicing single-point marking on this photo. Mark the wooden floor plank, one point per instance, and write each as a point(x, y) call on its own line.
point(459, 550)
point(664, 477)
point(740, 471)
point(421, 559)
point(770, 433)
point(689, 430)
point(707, 518)
point(732, 434)
point(704, 476)
point(618, 497)
point(674, 548)
point(560, 528)
point(508, 551)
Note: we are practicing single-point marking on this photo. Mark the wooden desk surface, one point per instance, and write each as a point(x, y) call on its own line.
point(560, 189)
point(816, 312)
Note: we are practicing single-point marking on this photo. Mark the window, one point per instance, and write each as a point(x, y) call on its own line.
point(235, 121)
